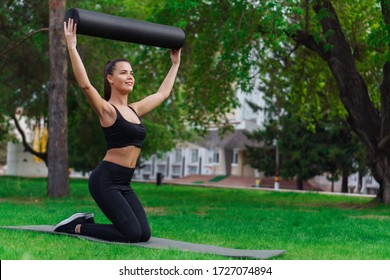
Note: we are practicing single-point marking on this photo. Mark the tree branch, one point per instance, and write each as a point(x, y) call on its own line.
point(26, 146)
point(12, 46)
point(331, 27)
point(307, 15)
point(362, 115)
point(306, 39)
point(385, 6)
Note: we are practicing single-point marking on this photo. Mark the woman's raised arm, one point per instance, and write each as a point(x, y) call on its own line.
point(99, 105)
point(152, 101)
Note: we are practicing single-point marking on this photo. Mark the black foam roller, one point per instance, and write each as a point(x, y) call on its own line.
point(126, 29)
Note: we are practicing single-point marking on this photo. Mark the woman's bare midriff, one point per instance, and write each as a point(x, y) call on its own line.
point(126, 156)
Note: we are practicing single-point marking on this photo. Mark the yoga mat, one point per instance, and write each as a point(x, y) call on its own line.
point(125, 29)
point(162, 243)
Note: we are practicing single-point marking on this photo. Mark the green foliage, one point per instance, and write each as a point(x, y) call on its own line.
point(204, 91)
point(85, 136)
point(25, 65)
point(364, 29)
point(24, 70)
point(302, 98)
point(330, 148)
point(366, 32)
point(215, 56)
point(227, 43)
point(4, 127)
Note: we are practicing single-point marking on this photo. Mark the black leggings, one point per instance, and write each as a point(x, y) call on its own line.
point(109, 185)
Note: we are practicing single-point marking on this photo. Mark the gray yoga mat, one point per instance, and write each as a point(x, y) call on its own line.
point(162, 243)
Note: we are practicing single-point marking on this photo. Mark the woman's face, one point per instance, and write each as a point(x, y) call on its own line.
point(122, 78)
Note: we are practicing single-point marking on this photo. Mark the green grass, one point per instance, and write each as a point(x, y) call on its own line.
point(306, 225)
point(218, 178)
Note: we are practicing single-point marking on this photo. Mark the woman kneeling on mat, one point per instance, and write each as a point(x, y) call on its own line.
point(109, 183)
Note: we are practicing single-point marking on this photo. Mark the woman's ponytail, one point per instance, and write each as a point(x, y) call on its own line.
point(108, 70)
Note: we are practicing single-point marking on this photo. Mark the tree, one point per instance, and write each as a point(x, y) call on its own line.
point(24, 57)
point(329, 42)
point(25, 72)
point(58, 177)
point(330, 148)
point(226, 38)
point(218, 43)
point(285, 26)
point(24, 64)
point(24, 35)
point(346, 153)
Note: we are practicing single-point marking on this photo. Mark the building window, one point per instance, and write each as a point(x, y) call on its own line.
point(161, 168)
point(147, 168)
point(213, 156)
point(194, 155)
point(176, 169)
point(192, 170)
point(235, 157)
point(178, 155)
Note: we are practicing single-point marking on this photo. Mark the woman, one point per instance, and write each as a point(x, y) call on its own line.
point(109, 183)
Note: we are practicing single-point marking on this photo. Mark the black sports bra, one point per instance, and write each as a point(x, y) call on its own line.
point(123, 133)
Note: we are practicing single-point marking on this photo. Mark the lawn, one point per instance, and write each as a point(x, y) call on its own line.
point(309, 226)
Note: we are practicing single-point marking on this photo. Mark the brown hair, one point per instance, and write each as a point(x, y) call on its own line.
point(108, 70)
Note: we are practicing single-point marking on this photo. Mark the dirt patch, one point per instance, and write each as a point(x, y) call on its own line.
point(21, 200)
point(157, 211)
point(309, 210)
point(368, 205)
point(375, 217)
point(204, 210)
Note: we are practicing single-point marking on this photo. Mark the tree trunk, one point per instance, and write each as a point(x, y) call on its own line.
point(360, 182)
point(299, 183)
point(384, 191)
point(364, 119)
point(344, 181)
point(332, 188)
point(58, 179)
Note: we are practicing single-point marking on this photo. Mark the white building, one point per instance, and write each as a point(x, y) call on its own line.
point(22, 163)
